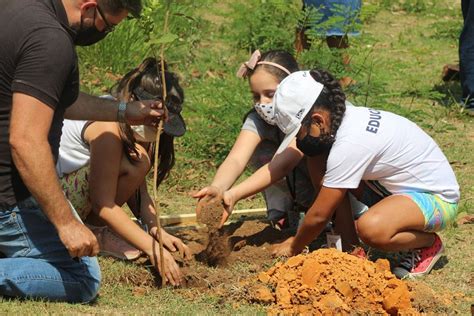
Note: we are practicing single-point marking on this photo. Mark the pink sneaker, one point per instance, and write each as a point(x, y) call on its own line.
point(419, 262)
point(113, 246)
point(359, 252)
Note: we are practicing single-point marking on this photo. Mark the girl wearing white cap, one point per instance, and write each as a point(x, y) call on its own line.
point(387, 161)
point(258, 141)
point(103, 165)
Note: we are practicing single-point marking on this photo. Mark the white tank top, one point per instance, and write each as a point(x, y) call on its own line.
point(74, 152)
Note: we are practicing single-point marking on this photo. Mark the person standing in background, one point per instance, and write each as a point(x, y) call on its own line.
point(335, 20)
point(466, 57)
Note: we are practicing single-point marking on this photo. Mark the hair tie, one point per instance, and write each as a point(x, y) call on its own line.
point(253, 62)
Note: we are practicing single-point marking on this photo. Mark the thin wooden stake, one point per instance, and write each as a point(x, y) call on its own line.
point(157, 148)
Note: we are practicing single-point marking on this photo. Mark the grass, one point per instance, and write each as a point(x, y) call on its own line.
point(396, 61)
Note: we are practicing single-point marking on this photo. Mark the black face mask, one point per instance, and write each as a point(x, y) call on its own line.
point(89, 36)
point(312, 146)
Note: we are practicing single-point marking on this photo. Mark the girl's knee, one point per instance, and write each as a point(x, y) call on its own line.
point(139, 167)
point(373, 231)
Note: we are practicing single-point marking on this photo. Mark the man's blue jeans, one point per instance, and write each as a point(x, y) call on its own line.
point(466, 54)
point(37, 265)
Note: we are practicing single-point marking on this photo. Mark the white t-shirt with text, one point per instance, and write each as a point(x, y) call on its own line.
point(390, 150)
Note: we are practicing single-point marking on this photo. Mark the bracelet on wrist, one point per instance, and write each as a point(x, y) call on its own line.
point(122, 108)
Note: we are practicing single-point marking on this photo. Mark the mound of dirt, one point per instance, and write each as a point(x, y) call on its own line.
point(337, 279)
point(330, 281)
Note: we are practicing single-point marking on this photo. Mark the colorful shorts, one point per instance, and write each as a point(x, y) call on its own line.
point(76, 188)
point(438, 213)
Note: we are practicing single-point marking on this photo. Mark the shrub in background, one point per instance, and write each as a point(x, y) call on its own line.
point(264, 24)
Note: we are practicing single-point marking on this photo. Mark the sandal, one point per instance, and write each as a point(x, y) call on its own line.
point(112, 245)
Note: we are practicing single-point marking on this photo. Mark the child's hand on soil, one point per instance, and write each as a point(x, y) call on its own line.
point(173, 244)
point(284, 249)
point(172, 272)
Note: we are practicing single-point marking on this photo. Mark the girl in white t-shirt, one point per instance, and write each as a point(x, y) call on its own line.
point(387, 161)
point(103, 165)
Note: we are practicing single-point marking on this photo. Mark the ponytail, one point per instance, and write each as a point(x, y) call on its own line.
point(331, 99)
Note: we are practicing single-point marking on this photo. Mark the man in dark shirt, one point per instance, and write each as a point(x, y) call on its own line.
point(49, 252)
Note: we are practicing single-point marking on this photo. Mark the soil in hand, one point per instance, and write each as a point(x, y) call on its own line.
point(330, 281)
point(209, 212)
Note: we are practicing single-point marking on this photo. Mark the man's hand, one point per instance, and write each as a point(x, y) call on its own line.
point(30, 125)
point(78, 240)
point(147, 112)
point(91, 108)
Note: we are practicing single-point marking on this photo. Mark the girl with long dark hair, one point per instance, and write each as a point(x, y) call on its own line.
point(103, 165)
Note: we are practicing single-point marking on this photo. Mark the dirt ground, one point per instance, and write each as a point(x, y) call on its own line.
point(249, 274)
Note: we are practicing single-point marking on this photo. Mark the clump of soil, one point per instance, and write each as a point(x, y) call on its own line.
point(209, 212)
point(330, 281)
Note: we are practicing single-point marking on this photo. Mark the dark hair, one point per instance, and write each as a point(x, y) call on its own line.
point(134, 7)
point(280, 57)
point(148, 77)
point(331, 99)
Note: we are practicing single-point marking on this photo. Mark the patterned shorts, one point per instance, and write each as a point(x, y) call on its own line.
point(76, 188)
point(438, 213)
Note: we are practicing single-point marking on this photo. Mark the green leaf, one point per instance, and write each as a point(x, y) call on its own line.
point(165, 39)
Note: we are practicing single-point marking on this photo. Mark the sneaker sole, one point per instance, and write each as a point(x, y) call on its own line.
point(430, 267)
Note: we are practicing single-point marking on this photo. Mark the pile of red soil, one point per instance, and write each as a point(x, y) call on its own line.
point(330, 281)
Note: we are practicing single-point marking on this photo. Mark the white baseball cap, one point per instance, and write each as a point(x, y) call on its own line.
point(293, 99)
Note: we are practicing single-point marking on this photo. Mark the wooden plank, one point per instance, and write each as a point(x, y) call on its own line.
point(187, 219)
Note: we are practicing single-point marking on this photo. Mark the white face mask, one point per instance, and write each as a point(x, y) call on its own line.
point(144, 133)
point(266, 112)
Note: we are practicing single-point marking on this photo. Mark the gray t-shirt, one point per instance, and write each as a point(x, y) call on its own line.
point(271, 139)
